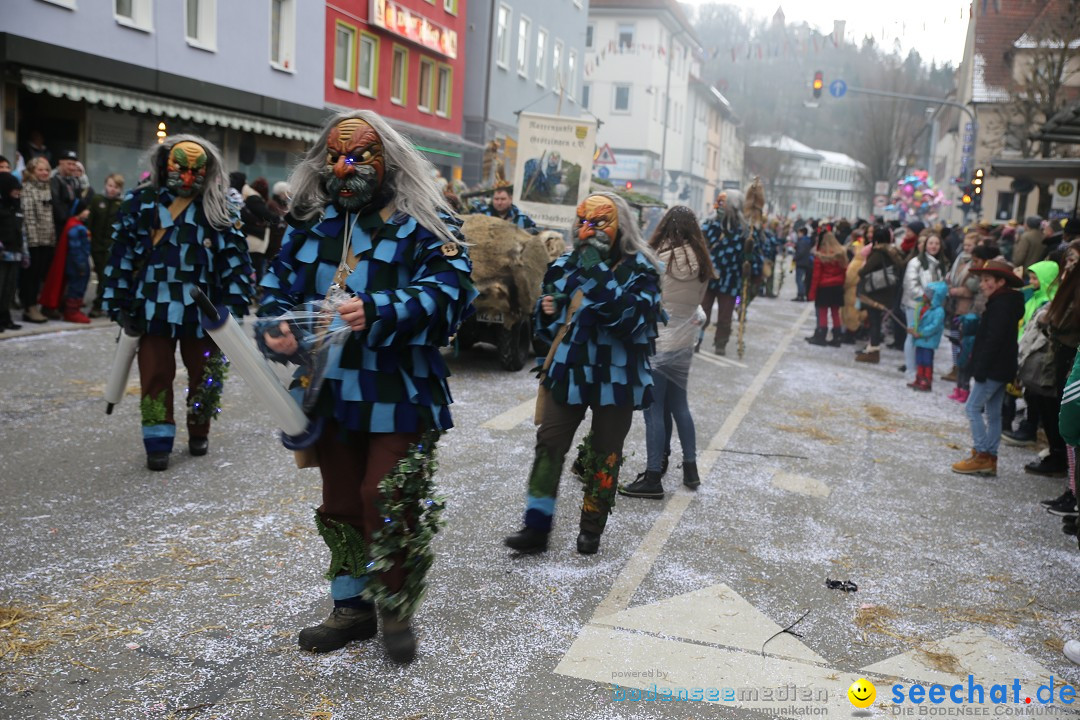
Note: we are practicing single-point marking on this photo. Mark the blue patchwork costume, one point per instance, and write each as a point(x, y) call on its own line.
point(385, 396)
point(148, 288)
point(599, 360)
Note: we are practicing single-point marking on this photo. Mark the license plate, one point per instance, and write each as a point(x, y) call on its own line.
point(490, 318)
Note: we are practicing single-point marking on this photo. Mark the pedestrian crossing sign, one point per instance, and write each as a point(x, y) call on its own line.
point(604, 156)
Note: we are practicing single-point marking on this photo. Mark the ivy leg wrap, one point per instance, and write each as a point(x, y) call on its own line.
point(601, 480)
point(348, 551)
point(204, 400)
point(411, 513)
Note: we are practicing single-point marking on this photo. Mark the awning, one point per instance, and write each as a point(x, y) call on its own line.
point(1036, 169)
point(113, 97)
point(1064, 127)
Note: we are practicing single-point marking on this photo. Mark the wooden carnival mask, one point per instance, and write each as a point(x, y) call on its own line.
point(355, 164)
point(598, 222)
point(186, 169)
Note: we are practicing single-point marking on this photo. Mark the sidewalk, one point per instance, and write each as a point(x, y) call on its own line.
point(52, 326)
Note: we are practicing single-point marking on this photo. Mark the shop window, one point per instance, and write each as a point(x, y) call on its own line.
point(427, 70)
point(399, 75)
point(445, 91)
point(344, 55)
point(369, 64)
point(283, 34)
point(136, 14)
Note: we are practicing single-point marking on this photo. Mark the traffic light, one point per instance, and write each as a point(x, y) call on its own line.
point(819, 82)
point(629, 185)
point(977, 188)
point(966, 199)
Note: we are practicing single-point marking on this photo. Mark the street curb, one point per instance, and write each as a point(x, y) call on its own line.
point(52, 327)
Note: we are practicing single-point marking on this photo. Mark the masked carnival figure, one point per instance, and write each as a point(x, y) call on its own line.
point(599, 310)
point(174, 233)
point(370, 225)
point(725, 235)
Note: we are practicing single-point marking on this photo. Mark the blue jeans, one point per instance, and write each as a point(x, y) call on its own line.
point(985, 397)
point(800, 280)
point(669, 401)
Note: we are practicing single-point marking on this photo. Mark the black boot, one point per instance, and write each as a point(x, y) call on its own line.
point(344, 625)
point(398, 638)
point(835, 340)
point(689, 475)
point(818, 338)
point(1049, 466)
point(588, 542)
point(527, 540)
point(157, 461)
point(645, 485)
point(198, 446)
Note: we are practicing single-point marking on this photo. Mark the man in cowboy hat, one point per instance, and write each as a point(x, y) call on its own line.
point(993, 363)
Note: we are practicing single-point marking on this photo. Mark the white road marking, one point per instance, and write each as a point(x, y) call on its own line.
point(800, 484)
point(512, 417)
point(720, 360)
point(645, 556)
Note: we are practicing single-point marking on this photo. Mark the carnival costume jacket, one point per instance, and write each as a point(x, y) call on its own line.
point(416, 289)
point(191, 253)
point(726, 251)
point(604, 357)
point(514, 216)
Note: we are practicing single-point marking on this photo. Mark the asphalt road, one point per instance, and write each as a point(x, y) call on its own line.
point(131, 594)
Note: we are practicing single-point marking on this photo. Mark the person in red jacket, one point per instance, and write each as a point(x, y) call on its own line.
point(827, 288)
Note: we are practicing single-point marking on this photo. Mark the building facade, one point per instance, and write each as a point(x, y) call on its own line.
point(404, 59)
point(802, 181)
point(673, 136)
point(99, 77)
point(521, 55)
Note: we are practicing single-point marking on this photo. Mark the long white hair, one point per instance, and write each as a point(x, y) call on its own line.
point(215, 202)
point(408, 176)
point(631, 241)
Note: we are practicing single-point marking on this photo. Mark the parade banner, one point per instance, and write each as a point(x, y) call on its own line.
point(554, 168)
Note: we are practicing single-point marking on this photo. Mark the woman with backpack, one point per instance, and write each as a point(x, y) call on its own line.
point(884, 263)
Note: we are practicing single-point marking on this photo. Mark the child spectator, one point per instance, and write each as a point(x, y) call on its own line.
point(827, 288)
point(12, 245)
point(993, 363)
point(104, 209)
point(927, 330)
point(77, 265)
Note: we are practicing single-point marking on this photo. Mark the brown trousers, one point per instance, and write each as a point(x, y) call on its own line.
point(352, 464)
point(725, 307)
point(157, 371)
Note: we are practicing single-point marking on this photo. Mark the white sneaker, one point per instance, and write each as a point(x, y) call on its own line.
point(1072, 651)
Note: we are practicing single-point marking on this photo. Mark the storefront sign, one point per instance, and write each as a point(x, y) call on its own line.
point(1064, 190)
point(410, 25)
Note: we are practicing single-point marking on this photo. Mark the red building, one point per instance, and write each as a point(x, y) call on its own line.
point(403, 59)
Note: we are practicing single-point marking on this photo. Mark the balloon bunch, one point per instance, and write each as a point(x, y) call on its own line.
point(916, 195)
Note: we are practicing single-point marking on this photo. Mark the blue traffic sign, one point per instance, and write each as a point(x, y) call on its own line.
point(837, 88)
point(603, 172)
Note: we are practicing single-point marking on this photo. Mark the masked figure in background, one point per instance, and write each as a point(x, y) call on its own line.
point(725, 235)
point(173, 233)
point(599, 311)
point(369, 224)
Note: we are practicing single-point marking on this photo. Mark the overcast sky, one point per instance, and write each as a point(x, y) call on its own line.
point(935, 29)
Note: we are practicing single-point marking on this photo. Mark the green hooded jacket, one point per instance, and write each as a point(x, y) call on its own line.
point(1047, 272)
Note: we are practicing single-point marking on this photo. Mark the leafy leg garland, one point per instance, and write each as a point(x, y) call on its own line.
point(411, 513)
point(204, 403)
point(601, 479)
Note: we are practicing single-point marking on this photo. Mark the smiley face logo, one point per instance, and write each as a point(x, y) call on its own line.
point(862, 693)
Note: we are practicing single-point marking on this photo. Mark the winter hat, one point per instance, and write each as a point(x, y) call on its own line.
point(1001, 269)
point(8, 182)
point(1072, 226)
point(916, 226)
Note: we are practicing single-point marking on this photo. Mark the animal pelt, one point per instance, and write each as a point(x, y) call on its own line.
point(754, 203)
point(508, 266)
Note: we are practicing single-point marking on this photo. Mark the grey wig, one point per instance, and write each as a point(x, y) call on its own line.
point(733, 211)
point(215, 202)
point(407, 175)
point(631, 241)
